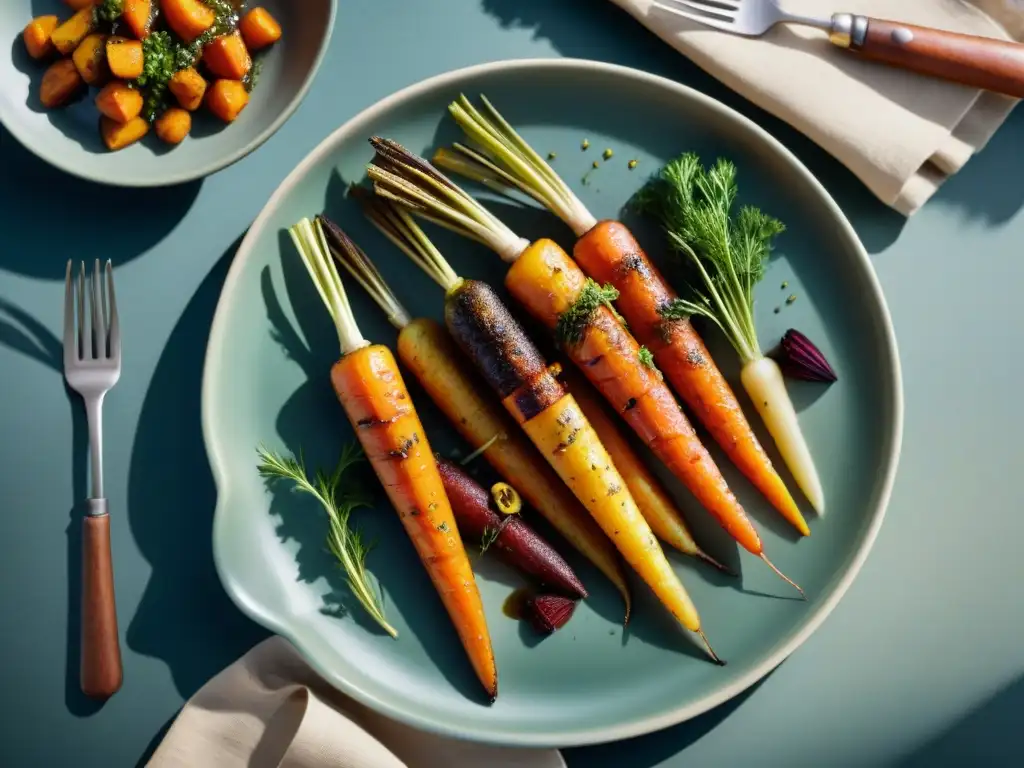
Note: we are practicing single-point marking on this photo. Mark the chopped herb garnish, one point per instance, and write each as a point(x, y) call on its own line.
point(646, 358)
point(552, 155)
point(607, 154)
point(108, 11)
point(785, 284)
point(791, 298)
point(585, 145)
point(631, 164)
point(443, 527)
point(574, 321)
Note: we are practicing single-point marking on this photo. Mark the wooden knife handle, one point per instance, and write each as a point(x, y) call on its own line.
point(101, 651)
point(980, 62)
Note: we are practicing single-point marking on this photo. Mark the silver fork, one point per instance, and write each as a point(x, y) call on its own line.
point(979, 62)
point(92, 366)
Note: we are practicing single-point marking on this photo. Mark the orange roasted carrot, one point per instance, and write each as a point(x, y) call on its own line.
point(370, 388)
point(426, 348)
point(651, 496)
point(608, 253)
point(513, 367)
point(554, 290)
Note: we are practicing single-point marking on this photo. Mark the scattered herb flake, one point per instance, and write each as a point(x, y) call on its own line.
point(585, 145)
point(552, 155)
point(791, 298)
point(646, 358)
point(631, 164)
point(607, 154)
point(574, 321)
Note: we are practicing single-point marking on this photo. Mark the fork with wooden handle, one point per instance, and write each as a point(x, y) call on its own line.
point(980, 62)
point(92, 366)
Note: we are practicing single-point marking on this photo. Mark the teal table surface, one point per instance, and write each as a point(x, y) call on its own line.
point(920, 665)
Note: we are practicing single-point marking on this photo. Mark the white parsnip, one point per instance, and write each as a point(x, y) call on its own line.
point(763, 381)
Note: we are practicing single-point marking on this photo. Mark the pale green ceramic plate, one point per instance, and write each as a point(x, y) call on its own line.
point(69, 138)
point(266, 379)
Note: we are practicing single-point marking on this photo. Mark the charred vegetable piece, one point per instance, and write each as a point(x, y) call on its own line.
point(508, 537)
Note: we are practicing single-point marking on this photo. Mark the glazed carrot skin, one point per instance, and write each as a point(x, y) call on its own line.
point(371, 390)
point(652, 498)
point(512, 365)
point(427, 350)
point(515, 542)
point(610, 254)
point(547, 282)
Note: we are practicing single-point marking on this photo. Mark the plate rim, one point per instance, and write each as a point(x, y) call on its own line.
point(230, 158)
point(580, 736)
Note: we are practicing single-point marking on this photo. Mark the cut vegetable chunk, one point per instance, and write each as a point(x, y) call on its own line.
point(72, 32)
point(119, 102)
point(173, 125)
point(138, 15)
point(188, 87)
point(188, 18)
point(259, 29)
point(90, 59)
point(60, 83)
point(226, 99)
point(124, 57)
point(227, 57)
point(37, 36)
point(120, 135)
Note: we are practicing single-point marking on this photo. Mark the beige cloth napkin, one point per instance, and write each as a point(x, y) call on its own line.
point(271, 710)
point(902, 134)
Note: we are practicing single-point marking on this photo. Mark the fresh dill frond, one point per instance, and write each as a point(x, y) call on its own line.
point(572, 324)
point(646, 358)
point(728, 251)
point(491, 534)
point(345, 543)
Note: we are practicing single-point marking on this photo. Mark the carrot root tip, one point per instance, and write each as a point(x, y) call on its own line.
point(784, 577)
point(711, 652)
point(720, 566)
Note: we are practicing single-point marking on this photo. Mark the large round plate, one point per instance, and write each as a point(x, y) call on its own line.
point(266, 380)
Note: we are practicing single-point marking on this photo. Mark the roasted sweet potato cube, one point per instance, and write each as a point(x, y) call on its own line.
point(124, 57)
point(173, 125)
point(188, 18)
point(119, 135)
point(90, 58)
point(227, 57)
point(37, 36)
point(60, 82)
point(138, 15)
point(226, 99)
point(119, 102)
point(72, 32)
point(259, 29)
point(188, 87)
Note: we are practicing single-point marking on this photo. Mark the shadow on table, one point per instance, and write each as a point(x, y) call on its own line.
point(23, 333)
point(184, 617)
point(652, 750)
point(49, 216)
point(987, 735)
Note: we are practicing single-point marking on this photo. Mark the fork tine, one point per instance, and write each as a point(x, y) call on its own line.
point(70, 340)
point(115, 323)
point(82, 327)
point(98, 327)
point(716, 22)
point(711, 10)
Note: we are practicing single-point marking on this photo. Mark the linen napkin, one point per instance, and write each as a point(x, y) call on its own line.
point(271, 710)
point(901, 133)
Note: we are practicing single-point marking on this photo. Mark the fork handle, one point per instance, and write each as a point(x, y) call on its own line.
point(979, 62)
point(101, 651)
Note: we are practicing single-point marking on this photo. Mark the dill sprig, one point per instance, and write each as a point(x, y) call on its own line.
point(572, 323)
point(346, 543)
point(491, 535)
point(730, 252)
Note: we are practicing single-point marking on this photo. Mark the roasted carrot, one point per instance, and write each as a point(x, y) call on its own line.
point(369, 386)
point(608, 253)
point(554, 290)
point(493, 339)
point(259, 28)
point(426, 349)
point(138, 15)
point(509, 537)
point(37, 36)
point(651, 496)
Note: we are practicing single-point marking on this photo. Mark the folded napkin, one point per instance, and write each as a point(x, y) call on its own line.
point(901, 133)
point(271, 710)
